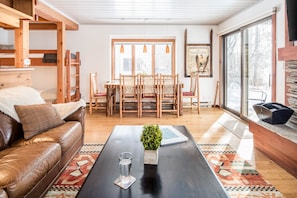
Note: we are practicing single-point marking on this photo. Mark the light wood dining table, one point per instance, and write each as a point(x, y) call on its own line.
point(114, 85)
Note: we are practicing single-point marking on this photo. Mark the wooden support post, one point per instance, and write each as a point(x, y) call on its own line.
point(21, 43)
point(68, 76)
point(216, 95)
point(77, 78)
point(60, 62)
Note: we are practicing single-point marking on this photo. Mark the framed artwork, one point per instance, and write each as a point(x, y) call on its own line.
point(198, 59)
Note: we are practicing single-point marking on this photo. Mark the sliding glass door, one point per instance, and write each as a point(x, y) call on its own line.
point(248, 67)
point(233, 72)
point(257, 62)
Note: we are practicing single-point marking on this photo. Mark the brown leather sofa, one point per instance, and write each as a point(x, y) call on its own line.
point(28, 167)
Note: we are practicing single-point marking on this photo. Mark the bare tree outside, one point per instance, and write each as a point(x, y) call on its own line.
point(233, 71)
point(248, 63)
point(259, 63)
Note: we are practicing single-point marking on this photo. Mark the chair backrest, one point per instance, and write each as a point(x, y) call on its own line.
point(128, 85)
point(194, 82)
point(93, 83)
point(169, 85)
point(149, 85)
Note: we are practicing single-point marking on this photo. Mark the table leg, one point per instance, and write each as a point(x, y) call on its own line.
point(181, 101)
point(109, 101)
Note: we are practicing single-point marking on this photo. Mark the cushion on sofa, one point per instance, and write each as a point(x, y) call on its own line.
point(37, 118)
point(22, 167)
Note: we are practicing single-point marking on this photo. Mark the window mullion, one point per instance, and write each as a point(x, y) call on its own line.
point(133, 60)
point(153, 59)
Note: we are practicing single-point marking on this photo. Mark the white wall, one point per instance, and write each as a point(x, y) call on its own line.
point(3, 37)
point(94, 44)
point(6, 37)
point(260, 10)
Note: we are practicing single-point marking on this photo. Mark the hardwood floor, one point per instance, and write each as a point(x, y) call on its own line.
point(212, 125)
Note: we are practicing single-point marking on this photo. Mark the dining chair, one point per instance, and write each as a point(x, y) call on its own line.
point(169, 94)
point(193, 93)
point(97, 99)
point(129, 97)
point(149, 94)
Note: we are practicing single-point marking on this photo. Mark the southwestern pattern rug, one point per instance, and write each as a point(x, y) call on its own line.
point(70, 181)
point(240, 178)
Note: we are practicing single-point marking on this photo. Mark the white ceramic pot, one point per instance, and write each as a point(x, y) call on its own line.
point(151, 156)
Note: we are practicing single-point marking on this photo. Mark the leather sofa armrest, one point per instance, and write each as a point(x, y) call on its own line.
point(78, 115)
point(10, 131)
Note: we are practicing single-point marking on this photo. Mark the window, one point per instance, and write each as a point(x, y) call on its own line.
point(147, 56)
point(143, 60)
point(248, 67)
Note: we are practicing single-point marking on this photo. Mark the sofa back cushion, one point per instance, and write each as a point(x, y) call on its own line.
point(10, 130)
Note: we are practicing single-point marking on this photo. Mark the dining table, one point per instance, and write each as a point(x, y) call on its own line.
point(112, 88)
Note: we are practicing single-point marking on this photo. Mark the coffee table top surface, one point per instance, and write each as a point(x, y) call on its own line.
point(182, 170)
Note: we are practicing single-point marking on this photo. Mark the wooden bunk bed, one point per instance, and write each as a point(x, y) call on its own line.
point(23, 16)
point(72, 87)
point(71, 77)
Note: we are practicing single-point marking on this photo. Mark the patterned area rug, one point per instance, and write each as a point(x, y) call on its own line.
point(75, 173)
point(239, 178)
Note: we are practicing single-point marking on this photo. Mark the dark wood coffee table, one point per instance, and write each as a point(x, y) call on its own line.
point(182, 171)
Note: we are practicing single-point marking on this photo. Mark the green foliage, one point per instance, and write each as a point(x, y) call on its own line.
point(151, 137)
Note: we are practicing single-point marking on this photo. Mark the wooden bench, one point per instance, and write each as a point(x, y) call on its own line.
point(278, 142)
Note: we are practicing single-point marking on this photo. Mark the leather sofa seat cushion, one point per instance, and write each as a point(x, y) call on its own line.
point(66, 135)
point(22, 167)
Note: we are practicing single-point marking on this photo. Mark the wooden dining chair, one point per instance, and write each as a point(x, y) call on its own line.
point(149, 94)
point(129, 97)
point(193, 95)
point(169, 94)
point(97, 99)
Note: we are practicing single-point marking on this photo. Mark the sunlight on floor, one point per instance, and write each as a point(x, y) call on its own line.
point(232, 131)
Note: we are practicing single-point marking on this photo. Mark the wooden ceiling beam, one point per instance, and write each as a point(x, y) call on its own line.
point(46, 12)
point(40, 19)
point(9, 21)
point(43, 26)
point(11, 17)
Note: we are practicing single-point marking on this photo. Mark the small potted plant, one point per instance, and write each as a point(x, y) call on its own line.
point(151, 138)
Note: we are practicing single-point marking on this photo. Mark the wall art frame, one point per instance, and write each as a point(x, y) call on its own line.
point(198, 59)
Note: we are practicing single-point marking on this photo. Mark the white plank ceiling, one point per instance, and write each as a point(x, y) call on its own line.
point(201, 12)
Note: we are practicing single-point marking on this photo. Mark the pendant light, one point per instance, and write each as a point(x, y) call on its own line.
point(144, 48)
point(167, 50)
point(122, 50)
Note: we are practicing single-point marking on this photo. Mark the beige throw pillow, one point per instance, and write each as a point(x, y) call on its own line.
point(37, 118)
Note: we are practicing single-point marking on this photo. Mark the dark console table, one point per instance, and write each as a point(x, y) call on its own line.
point(182, 170)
